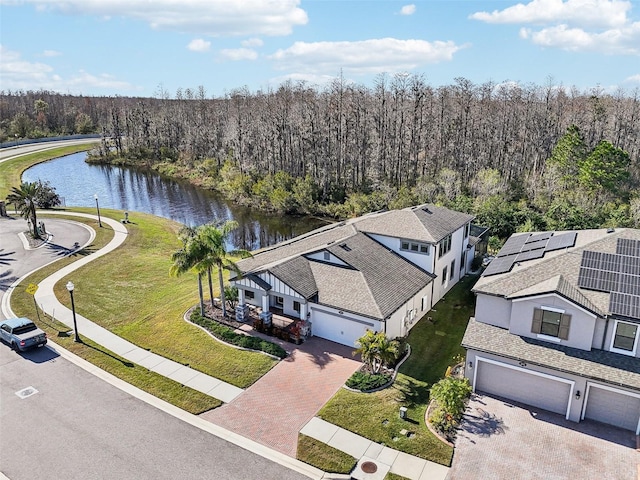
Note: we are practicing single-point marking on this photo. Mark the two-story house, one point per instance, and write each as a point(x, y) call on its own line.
point(557, 322)
point(382, 272)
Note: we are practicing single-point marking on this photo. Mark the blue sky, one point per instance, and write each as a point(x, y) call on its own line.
point(145, 47)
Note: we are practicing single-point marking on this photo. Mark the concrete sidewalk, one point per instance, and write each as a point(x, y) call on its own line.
point(386, 459)
point(46, 299)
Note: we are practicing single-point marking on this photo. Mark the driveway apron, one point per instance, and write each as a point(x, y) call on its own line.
point(275, 408)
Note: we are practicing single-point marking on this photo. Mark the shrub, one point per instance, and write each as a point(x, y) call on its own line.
point(450, 395)
point(367, 381)
point(228, 335)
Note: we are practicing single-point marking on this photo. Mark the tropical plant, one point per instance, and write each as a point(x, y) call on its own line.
point(450, 395)
point(187, 258)
point(231, 295)
point(24, 200)
point(213, 239)
point(377, 350)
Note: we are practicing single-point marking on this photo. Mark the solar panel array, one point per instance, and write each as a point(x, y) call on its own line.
point(521, 248)
point(615, 273)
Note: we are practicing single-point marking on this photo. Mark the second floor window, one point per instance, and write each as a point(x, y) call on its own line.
point(444, 246)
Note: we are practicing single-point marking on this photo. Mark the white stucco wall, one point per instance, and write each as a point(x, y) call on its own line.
point(423, 260)
point(493, 310)
point(405, 318)
point(581, 330)
point(457, 244)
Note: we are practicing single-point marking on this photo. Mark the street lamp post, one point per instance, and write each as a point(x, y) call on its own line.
point(95, 195)
point(70, 287)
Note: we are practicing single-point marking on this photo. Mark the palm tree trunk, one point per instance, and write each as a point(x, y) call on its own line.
point(210, 285)
point(222, 299)
point(201, 294)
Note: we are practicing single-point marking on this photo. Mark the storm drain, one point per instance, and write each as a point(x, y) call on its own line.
point(26, 392)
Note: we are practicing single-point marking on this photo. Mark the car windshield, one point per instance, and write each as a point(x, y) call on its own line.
point(24, 329)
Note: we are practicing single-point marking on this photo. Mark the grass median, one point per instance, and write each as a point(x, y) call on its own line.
point(129, 292)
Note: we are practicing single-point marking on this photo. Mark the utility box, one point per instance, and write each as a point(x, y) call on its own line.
point(403, 413)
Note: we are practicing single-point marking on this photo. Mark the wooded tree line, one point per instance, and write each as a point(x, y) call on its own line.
point(348, 148)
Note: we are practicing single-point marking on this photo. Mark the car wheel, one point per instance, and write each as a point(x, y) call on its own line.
point(14, 346)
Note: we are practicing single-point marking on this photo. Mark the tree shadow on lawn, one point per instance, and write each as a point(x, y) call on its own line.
point(410, 392)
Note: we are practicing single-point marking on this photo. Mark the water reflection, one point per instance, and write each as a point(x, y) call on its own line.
point(144, 191)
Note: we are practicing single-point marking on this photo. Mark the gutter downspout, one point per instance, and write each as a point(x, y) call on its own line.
point(606, 330)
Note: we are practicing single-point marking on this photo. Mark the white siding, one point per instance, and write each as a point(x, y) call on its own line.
point(457, 244)
point(423, 260)
point(582, 327)
point(403, 319)
point(493, 310)
point(321, 257)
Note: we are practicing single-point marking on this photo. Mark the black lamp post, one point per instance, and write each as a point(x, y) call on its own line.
point(70, 287)
point(95, 195)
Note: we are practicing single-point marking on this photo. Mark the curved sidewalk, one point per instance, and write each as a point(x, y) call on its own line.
point(47, 301)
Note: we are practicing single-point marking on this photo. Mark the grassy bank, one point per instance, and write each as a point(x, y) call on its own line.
point(11, 170)
point(433, 345)
point(130, 293)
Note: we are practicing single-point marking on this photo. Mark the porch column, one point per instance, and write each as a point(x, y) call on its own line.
point(265, 302)
point(303, 310)
point(241, 296)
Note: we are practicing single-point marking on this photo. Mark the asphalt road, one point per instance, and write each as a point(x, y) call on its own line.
point(74, 425)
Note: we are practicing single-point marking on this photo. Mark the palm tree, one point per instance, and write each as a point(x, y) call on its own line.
point(367, 348)
point(187, 258)
point(376, 350)
point(23, 198)
point(214, 239)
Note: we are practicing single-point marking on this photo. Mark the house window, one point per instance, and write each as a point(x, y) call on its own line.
point(463, 259)
point(453, 269)
point(625, 338)
point(444, 275)
point(466, 230)
point(296, 306)
point(416, 247)
point(279, 302)
point(249, 295)
point(327, 256)
point(444, 246)
point(551, 322)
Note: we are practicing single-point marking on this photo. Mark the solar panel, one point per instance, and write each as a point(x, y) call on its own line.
point(629, 284)
point(534, 245)
point(592, 279)
point(536, 237)
point(624, 304)
point(513, 245)
point(499, 265)
point(560, 241)
point(630, 266)
point(628, 247)
point(530, 255)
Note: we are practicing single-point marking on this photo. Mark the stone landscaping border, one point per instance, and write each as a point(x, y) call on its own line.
point(390, 382)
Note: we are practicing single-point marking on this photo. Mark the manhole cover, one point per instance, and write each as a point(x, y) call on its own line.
point(26, 392)
point(369, 467)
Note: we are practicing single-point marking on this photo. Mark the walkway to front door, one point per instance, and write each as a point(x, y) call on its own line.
point(274, 409)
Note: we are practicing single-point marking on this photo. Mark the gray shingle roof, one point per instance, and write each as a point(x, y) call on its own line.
point(533, 277)
point(598, 365)
point(297, 273)
point(425, 223)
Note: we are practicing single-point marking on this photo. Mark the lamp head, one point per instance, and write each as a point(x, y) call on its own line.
point(70, 286)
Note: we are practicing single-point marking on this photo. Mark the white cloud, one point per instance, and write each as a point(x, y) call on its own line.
point(237, 54)
point(199, 45)
point(408, 9)
point(584, 13)
point(51, 53)
point(620, 41)
point(19, 74)
point(252, 42)
point(363, 57)
point(633, 79)
point(217, 18)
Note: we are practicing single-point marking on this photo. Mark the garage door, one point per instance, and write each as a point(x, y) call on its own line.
point(335, 328)
point(519, 385)
point(613, 407)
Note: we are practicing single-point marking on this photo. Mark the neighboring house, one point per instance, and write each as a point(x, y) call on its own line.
point(382, 272)
point(557, 322)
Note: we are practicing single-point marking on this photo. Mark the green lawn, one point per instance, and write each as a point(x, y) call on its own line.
point(433, 346)
point(324, 457)
point(131, 293)
point(11, 170)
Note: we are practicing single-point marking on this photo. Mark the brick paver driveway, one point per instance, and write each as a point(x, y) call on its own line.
point(501, 440)
point(274, 409)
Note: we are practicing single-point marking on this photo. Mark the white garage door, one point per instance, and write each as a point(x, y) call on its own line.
point(335, 328)
point(519, 385)
point(613, 407)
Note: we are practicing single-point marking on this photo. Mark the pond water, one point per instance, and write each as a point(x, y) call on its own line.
point(145, 191)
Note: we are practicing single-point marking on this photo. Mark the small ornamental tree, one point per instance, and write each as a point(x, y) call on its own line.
point(450, 395)
point(377, 350)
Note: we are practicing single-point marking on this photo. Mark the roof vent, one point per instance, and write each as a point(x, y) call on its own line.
point(611, 230)
point(426, 210)
point(345, 247)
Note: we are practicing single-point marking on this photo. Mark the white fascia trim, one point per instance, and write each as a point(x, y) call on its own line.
point(553, 294)
point(530, 372)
